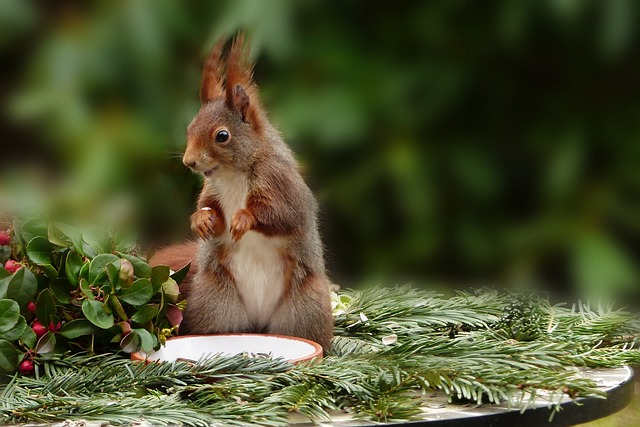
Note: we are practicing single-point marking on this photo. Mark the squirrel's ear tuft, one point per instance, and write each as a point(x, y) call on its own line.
point(241, 101)
point(241, 91)
point(212, 76)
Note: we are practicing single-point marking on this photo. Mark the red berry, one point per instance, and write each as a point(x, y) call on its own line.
point(38, 328)
point(26, 367)
point(5, 238)
point(31, 307)
point(53, 327)
point(12, 266)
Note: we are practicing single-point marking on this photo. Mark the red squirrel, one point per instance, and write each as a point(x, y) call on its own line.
point(258, 261)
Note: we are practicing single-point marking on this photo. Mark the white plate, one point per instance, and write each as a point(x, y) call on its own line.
point(195, 347)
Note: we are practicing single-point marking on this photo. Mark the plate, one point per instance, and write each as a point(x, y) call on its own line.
point(195, 347)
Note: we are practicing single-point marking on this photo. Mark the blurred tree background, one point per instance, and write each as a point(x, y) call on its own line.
point(453, 142)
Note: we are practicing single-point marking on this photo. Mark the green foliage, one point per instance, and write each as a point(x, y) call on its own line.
point(77, 285)
point(475, 357)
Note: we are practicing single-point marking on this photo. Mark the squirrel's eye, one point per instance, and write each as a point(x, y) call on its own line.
point(222, 136)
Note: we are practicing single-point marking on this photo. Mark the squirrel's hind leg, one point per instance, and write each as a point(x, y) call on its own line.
point(306, 312)
point(213, 306)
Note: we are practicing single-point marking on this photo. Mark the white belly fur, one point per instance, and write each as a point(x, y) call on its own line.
point(256, 265)
point(255, 260)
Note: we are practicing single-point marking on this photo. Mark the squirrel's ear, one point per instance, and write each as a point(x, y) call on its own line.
point(241, 91)
point(240, 101)
point(212, 79)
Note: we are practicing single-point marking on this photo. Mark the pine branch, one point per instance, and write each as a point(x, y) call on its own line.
point(369, 312)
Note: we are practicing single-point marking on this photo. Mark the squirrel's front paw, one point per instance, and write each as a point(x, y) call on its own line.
point(207, 223)
point(242, 222)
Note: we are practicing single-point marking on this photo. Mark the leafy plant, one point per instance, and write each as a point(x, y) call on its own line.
point(80, 289)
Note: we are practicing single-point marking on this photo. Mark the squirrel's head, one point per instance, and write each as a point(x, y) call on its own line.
point(226, 130)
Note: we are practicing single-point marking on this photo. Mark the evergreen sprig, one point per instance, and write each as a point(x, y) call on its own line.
point(391, 345)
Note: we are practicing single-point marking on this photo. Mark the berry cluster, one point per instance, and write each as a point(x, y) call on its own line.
point(10, 265)
point(26, 367)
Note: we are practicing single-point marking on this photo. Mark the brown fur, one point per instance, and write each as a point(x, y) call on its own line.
point(278, 205)
point(212, 75)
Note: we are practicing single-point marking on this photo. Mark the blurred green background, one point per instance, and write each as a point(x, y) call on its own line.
point(449, 142)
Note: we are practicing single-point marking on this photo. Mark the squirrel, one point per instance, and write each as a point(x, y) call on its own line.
point(258, 263)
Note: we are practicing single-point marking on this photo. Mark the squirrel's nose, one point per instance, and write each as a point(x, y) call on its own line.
point(189, 162)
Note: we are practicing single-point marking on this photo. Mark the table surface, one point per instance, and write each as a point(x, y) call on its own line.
point(617, 383)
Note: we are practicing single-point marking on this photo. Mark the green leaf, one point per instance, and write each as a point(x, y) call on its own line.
point(49, 271)
point(84, 271)
point(4, 285)
point(146, 339)
point(139, 293)
point(159, 275)
point(145, 313)
point(99, 239)
point(78, 328)
point(106, 288)
point(46, 308)
point(39, 250)
point(9, 314)
point(64, 235)
point(171, 291)
point(106, 305)
point(114, 302)
point(97, 268)
point(22, 287)
point(124, 241)
point(33, 228)
point(46, 343)
point(29, 337)
point(9, 357)
point(130, 343)
point(86, 289)
point(113, 273)
point(140, 268)
point(15, 332)
point(4, 273)
point(179, 275)
point(61, 290)
point(150, 253)
point(57, 236)
point(73, 265)
point(17, 229)
point(95, 313)
point(5, 254)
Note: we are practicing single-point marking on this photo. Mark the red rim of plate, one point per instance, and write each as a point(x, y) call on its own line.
point(317, 354)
